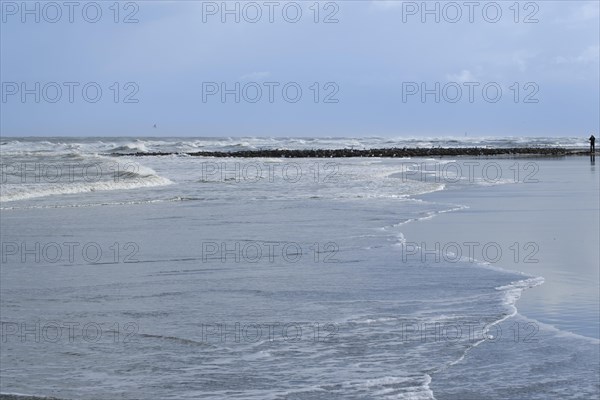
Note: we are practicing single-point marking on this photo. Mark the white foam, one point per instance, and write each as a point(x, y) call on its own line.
point(22, 192)
point(514, 290)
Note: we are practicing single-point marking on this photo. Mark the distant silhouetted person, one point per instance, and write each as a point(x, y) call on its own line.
point(592, 140)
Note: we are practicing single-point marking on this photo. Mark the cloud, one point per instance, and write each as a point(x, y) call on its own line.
point(590, 55)
point(464, 76)
point(255, 76)
point(386, 4)
point(584, 12)
point(521, 59)
point(588, 10)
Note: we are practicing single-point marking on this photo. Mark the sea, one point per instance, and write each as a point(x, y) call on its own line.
point(189, 277)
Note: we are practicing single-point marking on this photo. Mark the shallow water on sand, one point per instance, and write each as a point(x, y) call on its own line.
point(554, 220)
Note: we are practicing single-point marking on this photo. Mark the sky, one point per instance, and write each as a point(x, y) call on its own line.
point(278, 68)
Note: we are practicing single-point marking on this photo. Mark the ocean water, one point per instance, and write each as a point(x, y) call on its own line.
point(190, 277)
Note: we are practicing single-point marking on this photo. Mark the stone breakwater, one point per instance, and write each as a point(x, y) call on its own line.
point(386, 152)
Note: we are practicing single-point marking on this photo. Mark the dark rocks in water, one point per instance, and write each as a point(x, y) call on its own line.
point(387, 152)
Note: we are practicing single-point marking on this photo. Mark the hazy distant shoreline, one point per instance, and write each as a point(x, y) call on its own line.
point(383, 152)
point(8, 396)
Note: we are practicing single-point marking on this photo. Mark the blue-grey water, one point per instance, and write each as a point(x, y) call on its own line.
point(191, 277)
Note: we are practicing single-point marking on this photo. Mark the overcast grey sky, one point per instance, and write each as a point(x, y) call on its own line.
point(364, 68)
